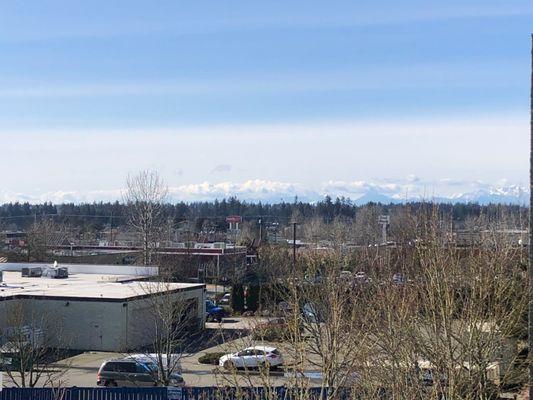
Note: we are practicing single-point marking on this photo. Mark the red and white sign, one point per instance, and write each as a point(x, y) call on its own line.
point(234, 219)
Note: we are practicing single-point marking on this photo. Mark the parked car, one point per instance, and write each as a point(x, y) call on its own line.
point(310, 313)
point(214, 312)
point(152, 360)
point(345, 275)
point(225, 300)
point(284, 308)
point(399, 279)
point(361, 277)
point(308, 310)
point(252, 357)
point(131, 372)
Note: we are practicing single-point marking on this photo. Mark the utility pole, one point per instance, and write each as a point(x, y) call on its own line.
point(294, 245)
point(111, 230)
point(530, 266)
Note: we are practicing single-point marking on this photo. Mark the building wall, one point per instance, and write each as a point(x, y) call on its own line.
point(4, 313)
point(94, 325)
point(141, 321)
point(73, 324)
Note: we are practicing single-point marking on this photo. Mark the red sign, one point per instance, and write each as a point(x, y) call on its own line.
point(234, 219)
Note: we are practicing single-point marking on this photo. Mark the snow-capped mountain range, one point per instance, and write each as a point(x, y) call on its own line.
point(498, 195)
point(359, 192)
point(513, 194)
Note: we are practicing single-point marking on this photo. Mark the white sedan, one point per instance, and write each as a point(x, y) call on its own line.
point(252, 357)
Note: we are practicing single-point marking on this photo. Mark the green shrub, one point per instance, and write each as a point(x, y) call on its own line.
point(270, 334)
point(210, 358)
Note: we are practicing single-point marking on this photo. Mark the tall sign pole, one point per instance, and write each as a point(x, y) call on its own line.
point(530, 266)
point(384, 221)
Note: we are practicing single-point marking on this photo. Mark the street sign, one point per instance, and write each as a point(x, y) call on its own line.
point(384, 219)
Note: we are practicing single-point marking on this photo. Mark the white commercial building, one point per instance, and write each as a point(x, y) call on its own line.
point(92, 309)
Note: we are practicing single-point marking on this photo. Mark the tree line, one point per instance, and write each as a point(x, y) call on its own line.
point(96, 215)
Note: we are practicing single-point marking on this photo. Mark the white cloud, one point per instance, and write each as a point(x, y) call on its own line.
point(403, 76)
point(257, 189)
point(221, 168)
point(60, 196)
point(412, 178)
point(276, 191)
point(439, 157)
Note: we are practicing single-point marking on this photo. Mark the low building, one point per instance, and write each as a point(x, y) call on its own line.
point(190, 261)
point(14, 239)
point(201, 262)
point(476, 237)
point(105, 308)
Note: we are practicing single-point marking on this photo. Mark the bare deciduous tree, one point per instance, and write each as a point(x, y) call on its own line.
point(42, 236)
point(145, 195)
point(31, 345)
point(428, 320)
point(169, 323)
point(366, 226)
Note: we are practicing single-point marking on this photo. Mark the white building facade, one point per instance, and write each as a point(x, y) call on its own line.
point(96, 311)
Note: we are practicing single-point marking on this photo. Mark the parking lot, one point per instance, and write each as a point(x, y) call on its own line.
point(81, 370)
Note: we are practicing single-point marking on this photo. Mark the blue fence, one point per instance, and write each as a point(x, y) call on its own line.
point(197, 393)
point(84, 394)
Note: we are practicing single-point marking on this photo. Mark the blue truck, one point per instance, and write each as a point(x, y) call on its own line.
point(214, 313)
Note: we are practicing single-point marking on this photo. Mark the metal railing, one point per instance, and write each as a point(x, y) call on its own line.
point(158, 393)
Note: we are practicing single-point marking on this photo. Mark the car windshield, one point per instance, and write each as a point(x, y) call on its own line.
point(210, 304)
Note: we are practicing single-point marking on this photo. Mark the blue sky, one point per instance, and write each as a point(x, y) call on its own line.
point(276, 97)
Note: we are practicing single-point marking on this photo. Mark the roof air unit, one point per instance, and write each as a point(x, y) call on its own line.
point(31, 272)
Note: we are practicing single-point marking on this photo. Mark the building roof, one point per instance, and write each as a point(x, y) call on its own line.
point(87, 287)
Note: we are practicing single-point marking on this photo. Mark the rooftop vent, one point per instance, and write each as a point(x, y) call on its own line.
point(56, 272)
point(31, 272)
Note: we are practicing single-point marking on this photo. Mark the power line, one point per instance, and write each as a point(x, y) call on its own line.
point(244, 217)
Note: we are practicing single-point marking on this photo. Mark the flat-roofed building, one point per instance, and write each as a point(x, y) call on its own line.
point(93, 310)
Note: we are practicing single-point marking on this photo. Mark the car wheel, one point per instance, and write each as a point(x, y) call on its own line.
point(110, 384)
point(229, 366)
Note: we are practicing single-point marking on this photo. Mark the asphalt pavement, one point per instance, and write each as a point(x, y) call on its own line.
point(226, 337)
